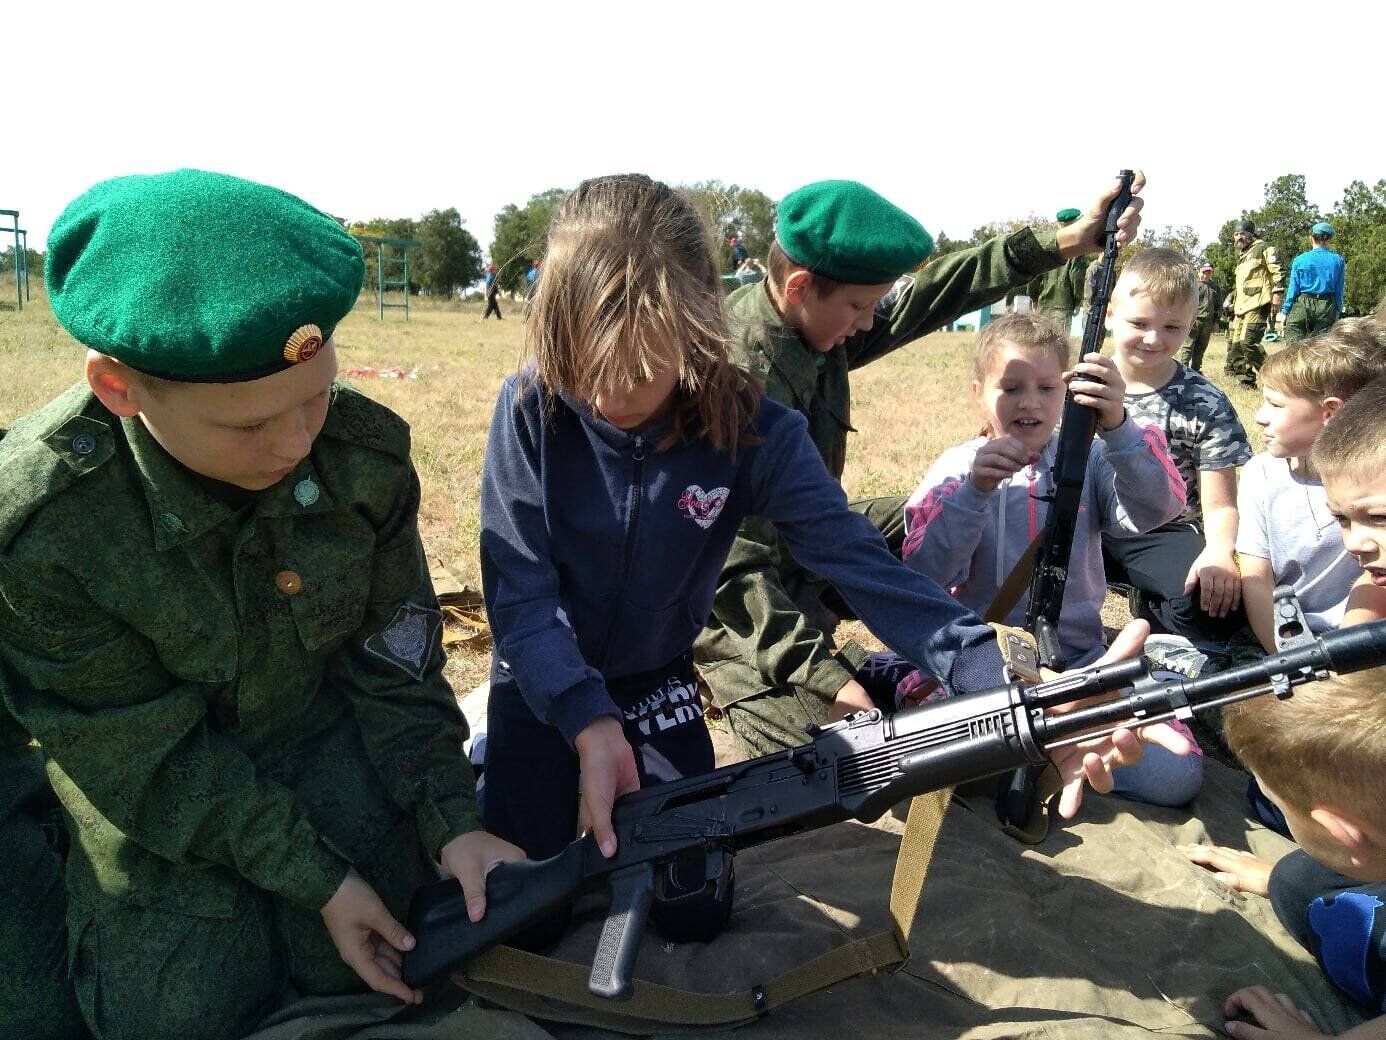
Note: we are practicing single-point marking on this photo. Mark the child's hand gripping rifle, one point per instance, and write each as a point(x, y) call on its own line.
point(854, 769)
point(1055, 543)
point(1076, 430)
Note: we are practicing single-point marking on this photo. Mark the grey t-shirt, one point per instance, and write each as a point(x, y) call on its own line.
point(1283, 517)
point(1200, 426)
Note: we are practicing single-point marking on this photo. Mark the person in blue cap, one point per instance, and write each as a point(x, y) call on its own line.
point(1314, 296)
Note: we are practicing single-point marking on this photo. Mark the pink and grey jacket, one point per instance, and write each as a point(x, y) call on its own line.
point(968, 540)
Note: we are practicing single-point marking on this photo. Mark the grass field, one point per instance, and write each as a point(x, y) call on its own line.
point(907, 407)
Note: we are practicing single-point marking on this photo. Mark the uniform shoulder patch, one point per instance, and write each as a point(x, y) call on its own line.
point(356, 419)
point(409, 640)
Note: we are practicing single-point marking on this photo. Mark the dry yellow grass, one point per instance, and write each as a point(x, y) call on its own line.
point(907, 407)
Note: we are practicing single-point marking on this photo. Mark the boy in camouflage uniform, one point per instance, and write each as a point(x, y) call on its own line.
point(1259, 288)
point(1058, 294)
point(1205, 321)
point(216, 619)
point(831, 304)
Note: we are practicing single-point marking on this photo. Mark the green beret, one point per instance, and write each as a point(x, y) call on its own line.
point(845, 231)
point(200, 277)
point(1068, 216)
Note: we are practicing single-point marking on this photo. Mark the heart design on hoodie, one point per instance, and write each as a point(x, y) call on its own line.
point(703, 507)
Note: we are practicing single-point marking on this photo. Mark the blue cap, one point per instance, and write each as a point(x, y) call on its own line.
point(1323, 229)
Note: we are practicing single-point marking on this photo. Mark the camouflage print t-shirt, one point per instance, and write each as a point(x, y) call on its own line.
point(1200, 425)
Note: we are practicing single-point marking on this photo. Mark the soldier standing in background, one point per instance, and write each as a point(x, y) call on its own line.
point(1058, 294)
point(1260, 284)
point(1205, 320)
point(1315, 297)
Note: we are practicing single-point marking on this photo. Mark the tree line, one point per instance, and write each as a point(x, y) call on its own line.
point(448, 258)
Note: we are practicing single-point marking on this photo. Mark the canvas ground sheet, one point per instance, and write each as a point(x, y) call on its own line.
point(1103, 931)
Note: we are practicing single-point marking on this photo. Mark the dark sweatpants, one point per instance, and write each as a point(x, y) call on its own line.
point(1157, 563)
point(531, 792)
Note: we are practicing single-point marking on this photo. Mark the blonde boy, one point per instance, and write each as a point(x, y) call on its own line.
point(1319, 756)
point(1286, 533)
point(1184, 571)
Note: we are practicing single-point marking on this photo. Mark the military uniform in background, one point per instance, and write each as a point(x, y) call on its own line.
point(767, 652)
point(1205, 324)
point(1058, 294)
point(1259, 278)
point(1314, 299)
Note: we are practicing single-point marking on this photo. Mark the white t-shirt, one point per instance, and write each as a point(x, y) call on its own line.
point(1283, 517)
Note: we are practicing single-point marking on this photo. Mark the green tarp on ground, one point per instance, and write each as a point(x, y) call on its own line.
point(1103, 931)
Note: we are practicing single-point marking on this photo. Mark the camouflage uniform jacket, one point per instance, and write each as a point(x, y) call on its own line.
point(1062, 289)
point(175, 654)
point(1209, 299)
point(817, 384)
point(1259, 277)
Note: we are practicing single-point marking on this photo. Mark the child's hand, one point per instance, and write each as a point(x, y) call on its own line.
point(1093, 761)
point(1255, 1013)
point(368, 937)
point(469, 858)
point(1096, 382)
point(998, 459)
point(1218, 580)
point(1239, 871)
point(607, 765)
point(852, 697)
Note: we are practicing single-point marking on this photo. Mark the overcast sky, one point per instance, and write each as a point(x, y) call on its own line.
point(961, 112)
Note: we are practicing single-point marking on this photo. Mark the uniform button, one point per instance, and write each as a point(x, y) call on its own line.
point(288, 582)
point(83, 444)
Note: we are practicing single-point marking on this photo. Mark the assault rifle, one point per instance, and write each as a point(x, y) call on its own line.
point(1054, 545)
point(1076, 430)
point(854, 769)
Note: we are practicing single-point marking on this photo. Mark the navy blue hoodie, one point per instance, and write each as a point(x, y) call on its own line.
point(600, 555)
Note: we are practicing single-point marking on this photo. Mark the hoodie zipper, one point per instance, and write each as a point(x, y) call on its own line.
point(636, 493)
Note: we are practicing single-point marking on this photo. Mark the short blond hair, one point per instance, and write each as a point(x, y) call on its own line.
point(1353, 445)
point(1335, 363)
point(1325, 745)
point(1164, 275)
point(1029, 330)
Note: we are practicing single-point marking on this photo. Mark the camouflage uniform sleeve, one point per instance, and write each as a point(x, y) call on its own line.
point(954, 285)
point(392, 670)
point(137, 742)
point(759, 637)
point(1275, 270)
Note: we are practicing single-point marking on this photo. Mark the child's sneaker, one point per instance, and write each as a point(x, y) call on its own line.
point(1174, 654)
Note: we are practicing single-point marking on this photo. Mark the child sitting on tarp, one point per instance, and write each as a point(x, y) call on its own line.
point(981, 503)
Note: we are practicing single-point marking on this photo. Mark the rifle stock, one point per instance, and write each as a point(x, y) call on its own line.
point(858, 768)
